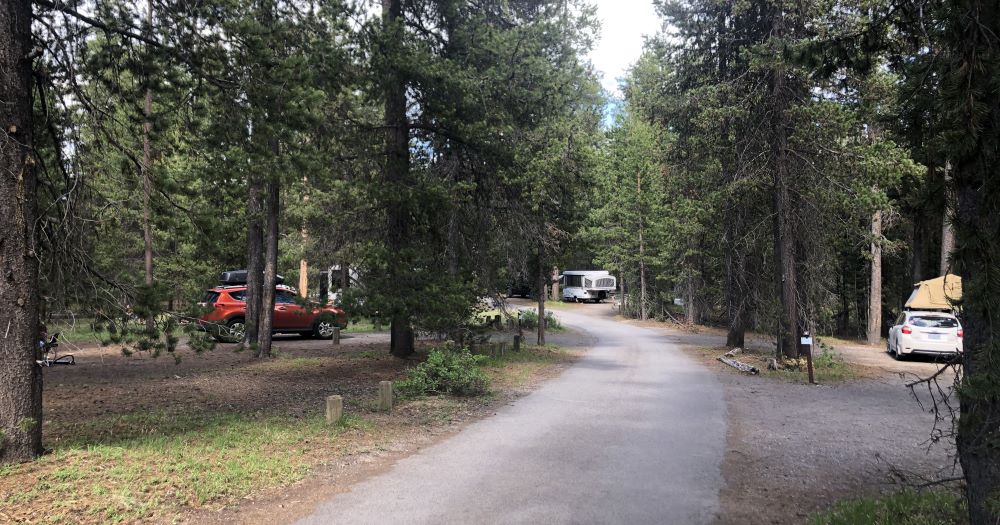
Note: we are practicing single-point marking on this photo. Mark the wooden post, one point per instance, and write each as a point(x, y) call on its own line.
point(807, 340)
point(334, 409)
point(385, 395)
point(336, 336)
point(517, 343)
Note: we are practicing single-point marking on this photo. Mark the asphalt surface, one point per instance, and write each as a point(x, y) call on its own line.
point(634, 432)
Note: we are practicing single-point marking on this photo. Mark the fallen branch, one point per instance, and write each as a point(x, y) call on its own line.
point(739, 365)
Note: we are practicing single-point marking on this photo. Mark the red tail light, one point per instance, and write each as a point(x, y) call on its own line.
point(961, 333)
point(906, 329)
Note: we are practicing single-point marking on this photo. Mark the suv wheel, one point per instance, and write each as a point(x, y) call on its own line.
point(324, 326)
point(233, 332)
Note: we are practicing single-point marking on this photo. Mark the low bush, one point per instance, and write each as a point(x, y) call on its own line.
point(529, 320)
point(908, 507)
point(446, 371)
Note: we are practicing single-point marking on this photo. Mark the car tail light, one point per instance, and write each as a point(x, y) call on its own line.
point(961, 333)
point(906, 329)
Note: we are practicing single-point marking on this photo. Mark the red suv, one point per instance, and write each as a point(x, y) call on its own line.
point(226, 321)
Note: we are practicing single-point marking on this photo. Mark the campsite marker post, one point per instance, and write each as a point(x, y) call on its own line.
point(807, 340)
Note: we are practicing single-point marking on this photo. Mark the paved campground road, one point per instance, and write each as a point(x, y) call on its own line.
point(633, 432)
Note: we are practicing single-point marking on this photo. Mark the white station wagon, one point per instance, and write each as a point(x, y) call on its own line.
point(926, 333)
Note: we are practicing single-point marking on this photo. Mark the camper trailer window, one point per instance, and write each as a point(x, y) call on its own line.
point(934, 322)
point(574, 280)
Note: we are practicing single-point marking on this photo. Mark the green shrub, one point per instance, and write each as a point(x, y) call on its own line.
point(529, 320)
point(446, 371)
point(908, 507)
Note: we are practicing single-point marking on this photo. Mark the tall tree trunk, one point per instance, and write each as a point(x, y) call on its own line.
point(735, 298)
point(147, 182)
point(555, 285)
point(784, 236)
point(875, 283)
point(303, 277)
point(303, 263)
point(974, 30)
point(20, 377)
point(917, 246)
point(947, 231)
point(623, 303)
point(268, 283)
point(691, 310)
point(541, 294)
point(255, 258)
point(397, 170)
point(643, 303)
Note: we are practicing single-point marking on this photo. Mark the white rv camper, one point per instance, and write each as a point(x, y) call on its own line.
point(587, 285)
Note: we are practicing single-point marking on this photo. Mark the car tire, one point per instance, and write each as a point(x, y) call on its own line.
point(232, 332)
point(897, 355)
point(324, 326)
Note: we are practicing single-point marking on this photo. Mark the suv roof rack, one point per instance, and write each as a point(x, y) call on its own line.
point(239, 278)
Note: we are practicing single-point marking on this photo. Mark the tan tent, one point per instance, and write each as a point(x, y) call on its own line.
point(936, 294)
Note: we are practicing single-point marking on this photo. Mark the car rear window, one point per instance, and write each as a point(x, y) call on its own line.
point(934, 322)
point(239, 296)
point(210, 297)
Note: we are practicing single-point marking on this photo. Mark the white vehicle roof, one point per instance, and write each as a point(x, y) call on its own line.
point(586, 272)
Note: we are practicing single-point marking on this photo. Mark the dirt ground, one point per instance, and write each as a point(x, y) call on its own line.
point(795, 448)
point(88, 399)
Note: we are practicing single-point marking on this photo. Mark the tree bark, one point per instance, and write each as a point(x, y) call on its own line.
point(643, 303)
point(975, 38)
point(917, 247)
point(20, 377)
point(947, 231)
point(269, 281)
point(541, 295)
point(255, 258)
point(691, 309)
point(875, 283)
point(397, 170)
point(147, 183)
point(784, 233)
point(555, 285)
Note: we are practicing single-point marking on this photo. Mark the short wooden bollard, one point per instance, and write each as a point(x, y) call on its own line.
point(334, 409)
point(385, 395)
point(336, 336)
point(517, 343)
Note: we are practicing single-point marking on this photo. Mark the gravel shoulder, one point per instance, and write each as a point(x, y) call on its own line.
point(794, 448)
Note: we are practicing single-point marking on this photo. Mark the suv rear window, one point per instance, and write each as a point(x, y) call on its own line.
point(934, 322)
point(210, 297)
point(239, 296)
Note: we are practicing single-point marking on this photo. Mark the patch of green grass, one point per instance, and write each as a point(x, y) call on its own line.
point(80, 331)
point(528, 354)
point(301, 363)
point(909, 507)
point(828, 366)
point(360, 326)
point(133, 465)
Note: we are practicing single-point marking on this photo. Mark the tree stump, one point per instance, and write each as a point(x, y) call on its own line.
point(385, 396)
point(334, 409)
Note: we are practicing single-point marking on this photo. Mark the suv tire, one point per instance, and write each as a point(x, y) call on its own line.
point(324, 326)
point(233, 332)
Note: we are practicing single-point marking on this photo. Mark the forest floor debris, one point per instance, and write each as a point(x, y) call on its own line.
point(143, 439)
